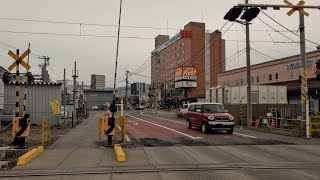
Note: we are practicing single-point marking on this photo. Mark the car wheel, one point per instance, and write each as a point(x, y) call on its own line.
point(204, 128)
point(230, 131)
point(188, 123)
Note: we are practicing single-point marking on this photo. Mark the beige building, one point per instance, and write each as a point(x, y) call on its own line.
point(283, 71)
point(98, 82)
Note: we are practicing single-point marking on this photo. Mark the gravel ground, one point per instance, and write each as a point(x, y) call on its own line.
point(34, 138)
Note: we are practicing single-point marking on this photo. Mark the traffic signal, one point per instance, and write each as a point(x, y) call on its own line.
point(250, 14)
point(6, 77)
point(30, 78)
point(233, 14)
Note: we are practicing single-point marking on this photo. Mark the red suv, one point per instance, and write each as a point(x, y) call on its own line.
point(209, 116)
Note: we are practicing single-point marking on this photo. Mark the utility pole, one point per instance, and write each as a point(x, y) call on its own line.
point(74, 88)
point(156, 89)
point(64, 93)
point(249, 104)
point(126, 99)
point(44, 72)
point(82, 87)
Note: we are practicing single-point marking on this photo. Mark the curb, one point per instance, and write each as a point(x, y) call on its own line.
point(121, 157)
point(27, 157)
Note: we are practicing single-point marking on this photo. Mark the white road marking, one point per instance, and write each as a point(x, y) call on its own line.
point(246, 135)
point(127, 137)
point(163, 118)
point(164, 127)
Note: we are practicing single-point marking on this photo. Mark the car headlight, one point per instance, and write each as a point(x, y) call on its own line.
point(231, 118)
point(211, 117)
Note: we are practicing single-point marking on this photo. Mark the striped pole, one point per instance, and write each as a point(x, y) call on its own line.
point(304, 90)
point(25, 89)
point(241, 118)
point(17, 85)
point(25, 95)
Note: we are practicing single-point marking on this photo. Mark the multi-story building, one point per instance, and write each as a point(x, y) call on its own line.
point(138, 88)
point(199, 49)
point(138, 93)
point(284, 71)
point(98, 82)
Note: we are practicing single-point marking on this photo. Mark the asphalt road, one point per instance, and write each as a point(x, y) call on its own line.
point(163, 148)
point(149, 129)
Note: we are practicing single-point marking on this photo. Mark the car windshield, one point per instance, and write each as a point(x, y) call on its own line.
point(213, 108)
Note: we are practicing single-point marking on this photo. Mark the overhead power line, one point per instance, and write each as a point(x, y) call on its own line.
point(10, 47)
point(73, 35)
point(140, 75)
point(84, 23)
point(288, 29)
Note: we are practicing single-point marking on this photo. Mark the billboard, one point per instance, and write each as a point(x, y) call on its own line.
point(185, 73)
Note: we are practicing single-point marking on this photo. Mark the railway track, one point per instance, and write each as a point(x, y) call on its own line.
point(159, 168)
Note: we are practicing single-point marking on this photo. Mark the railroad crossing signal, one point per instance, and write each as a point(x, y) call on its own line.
point(19, 59)
point(293, 10)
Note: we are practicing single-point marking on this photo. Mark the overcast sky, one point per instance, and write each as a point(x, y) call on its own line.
point(97, 54)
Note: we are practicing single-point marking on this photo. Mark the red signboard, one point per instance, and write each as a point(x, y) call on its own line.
point(185, 73)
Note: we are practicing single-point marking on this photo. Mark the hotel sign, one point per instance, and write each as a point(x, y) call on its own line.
point(298, 64)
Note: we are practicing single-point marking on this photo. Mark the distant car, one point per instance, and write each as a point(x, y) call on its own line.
point(209, 116)
point(140, 107)
point(94, 107)
point(184, 110)
point(64, 113)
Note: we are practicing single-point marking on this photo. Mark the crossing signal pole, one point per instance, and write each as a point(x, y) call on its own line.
point(20, 125)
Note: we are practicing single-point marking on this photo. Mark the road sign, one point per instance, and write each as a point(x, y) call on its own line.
point(20, 59)
point(293, 10)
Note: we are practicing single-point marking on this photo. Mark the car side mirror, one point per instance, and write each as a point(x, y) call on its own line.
point(226, 111)
point(198, 110)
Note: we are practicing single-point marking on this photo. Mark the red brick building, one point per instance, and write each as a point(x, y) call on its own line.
point(199, 49)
